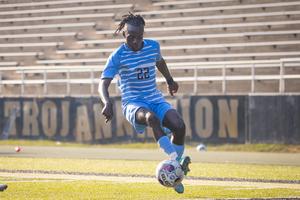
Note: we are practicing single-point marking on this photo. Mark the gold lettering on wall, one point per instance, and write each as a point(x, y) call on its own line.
point(204, 118)
point(102, 129)
point(228, 118)
point(30, 122)
point(83, 129)
point(65, 107)
point(12, 111)
point(49, 118)
point(123, 126)
point(185, 105)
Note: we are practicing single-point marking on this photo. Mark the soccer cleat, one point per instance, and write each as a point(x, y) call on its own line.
point(184, 162)
point(3, 187)
point(179, 188)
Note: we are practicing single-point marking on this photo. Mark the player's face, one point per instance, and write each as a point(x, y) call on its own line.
point(134, 37)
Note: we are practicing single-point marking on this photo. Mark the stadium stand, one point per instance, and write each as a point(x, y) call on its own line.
point(211, 46)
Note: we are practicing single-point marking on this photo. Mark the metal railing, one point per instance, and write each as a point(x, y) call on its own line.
point(45, 81)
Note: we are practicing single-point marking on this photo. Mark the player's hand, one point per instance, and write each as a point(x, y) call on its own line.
point(107, 111)
point(173, 87)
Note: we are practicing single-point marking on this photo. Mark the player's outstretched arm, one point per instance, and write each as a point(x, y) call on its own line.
point(172, 85)
point(107, 110)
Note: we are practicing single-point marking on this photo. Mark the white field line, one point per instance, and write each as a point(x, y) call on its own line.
point(130, 179)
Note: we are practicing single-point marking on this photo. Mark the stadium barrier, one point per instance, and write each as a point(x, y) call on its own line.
point(213, 119)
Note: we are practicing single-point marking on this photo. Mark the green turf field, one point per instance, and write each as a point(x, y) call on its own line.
point(152, 145)
point(130, 191)
point(148, 168)
point(51, 187)
point(47, 188)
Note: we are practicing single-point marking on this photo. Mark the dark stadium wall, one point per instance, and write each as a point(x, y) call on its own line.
point(274, 119)
point(213, 119)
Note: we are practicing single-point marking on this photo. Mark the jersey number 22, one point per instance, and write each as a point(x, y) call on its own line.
point(142, 73)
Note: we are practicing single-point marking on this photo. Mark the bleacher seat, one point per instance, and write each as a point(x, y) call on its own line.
point(173, 3)
point(244, 16)
point(219, 8)
point(186, 38)
point(77, 17)
point(188, 47)
point(39, 35)
point(48, 26)
point(48, 3)
point(66, 9)
point(212, 26)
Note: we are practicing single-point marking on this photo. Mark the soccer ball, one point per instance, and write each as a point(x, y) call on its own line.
point(169, 173)
point(201, 147)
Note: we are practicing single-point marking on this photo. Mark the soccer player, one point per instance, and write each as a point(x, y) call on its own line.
point(142, 103)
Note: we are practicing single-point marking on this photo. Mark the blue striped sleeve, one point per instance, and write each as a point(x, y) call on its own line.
point(112, 66)
point(157, 46)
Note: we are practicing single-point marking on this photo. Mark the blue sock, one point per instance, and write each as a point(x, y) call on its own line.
point(167, 131)
point(165, 143)
point(179, 150)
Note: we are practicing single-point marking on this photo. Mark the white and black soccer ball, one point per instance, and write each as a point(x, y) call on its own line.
point(201, 147)
point(169, 173)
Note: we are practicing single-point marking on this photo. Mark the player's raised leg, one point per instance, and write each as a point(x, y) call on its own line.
point(175, 123)
point(147, 117)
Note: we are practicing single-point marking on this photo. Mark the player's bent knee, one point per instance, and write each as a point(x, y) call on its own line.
point(151, 119)
point(179, 132)
point(180, 126)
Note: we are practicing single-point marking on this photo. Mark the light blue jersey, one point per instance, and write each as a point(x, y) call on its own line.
point(137, 72)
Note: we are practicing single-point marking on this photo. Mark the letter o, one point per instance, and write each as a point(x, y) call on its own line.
point(204, 118)
point(49, 118)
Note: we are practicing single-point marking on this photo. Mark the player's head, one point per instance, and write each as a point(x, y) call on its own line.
point(133, 32)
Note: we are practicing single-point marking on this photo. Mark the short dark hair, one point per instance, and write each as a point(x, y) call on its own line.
point(130, 18)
